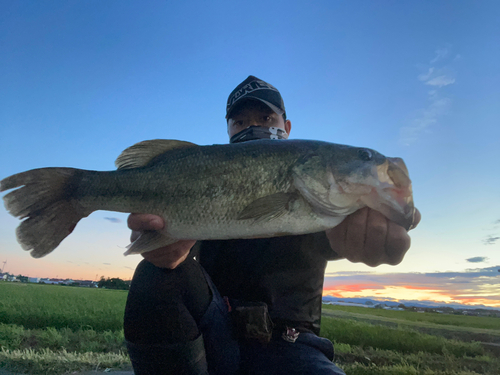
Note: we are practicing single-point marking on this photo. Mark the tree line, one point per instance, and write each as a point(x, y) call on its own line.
point(113, 283)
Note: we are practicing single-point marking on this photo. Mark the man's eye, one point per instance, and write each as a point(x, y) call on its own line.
point(237, 123)
point(267, 118)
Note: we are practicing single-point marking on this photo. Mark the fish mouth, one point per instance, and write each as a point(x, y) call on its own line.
point(393, 196)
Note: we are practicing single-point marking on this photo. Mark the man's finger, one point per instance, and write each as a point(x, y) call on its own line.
point(356, 234)
point(398, 243)
point(142, 222)
point(375, 239)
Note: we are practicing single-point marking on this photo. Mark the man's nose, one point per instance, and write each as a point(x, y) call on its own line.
point(256, 122)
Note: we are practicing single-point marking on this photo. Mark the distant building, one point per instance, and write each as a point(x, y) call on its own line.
point(87, 283)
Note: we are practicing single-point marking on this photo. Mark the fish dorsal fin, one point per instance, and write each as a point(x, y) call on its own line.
point(141, 154)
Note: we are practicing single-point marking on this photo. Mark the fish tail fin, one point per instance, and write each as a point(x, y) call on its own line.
point(44, 198)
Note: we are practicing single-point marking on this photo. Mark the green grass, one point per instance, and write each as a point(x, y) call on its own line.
point(363, 348)
point(355, 360)
point(47, 329)
point(13, 337)
point(405, 341)
point(54, 329)
point(40, 306)
point(446, 319)
point(48, 362)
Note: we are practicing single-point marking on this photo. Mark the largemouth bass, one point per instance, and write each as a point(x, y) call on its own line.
point(262, 188)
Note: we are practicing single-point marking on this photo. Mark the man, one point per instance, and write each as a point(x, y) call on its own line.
point(176, 320)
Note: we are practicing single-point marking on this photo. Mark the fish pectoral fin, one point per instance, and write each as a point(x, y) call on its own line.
point(268, 208)
point(149, 240)
point(141, 154)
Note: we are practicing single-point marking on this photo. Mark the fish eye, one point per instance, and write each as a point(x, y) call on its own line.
point(365, 155)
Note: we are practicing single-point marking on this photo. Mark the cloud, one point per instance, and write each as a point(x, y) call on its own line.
point(350, 273)
point(441, 53)
point(437, 78)
point(477, 259)
point(403, 278)
point(107, 264)
point(426, 119)
point(425, 76)
point(491, 240)
point(440, 81)
point(470, 286)
point(113, 219)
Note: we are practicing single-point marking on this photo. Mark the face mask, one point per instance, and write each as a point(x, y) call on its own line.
point(258, 132)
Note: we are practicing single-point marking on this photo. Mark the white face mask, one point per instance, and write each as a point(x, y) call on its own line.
point(258, 132)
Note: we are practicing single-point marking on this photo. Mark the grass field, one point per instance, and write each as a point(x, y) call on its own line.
point(410, 316)
point(57, 306)
point(51, 329)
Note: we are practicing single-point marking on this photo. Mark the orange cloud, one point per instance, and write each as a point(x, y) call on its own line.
point(351, 288)
point(415, 287)
point(472, 286)
point(407, 292)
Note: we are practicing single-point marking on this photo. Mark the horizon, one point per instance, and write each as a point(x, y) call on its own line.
point(349, 300)
point(406, 303)
point(83, 81)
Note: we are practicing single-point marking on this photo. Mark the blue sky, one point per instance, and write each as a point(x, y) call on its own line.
point(82, 80)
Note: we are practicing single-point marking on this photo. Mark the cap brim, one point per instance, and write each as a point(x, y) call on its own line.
point(275, 109)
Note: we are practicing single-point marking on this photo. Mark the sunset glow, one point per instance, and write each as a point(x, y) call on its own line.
point(449, 289)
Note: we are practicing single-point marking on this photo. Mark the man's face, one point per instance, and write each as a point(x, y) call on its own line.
point(255, 113)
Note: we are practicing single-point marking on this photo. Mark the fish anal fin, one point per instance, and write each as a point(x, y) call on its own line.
point(268, 207)
point(141, 154)
point(149, 240)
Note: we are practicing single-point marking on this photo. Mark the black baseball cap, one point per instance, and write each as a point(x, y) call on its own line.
point(256, 89)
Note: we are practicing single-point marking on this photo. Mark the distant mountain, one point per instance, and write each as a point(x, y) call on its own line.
point(407, 303)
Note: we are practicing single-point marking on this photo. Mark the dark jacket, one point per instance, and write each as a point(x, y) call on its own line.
point(287, 273)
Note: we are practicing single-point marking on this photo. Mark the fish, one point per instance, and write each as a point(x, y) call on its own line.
point(257, 189)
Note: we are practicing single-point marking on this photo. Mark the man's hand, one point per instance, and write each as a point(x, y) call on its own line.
point(165, 257)
point(369, 237)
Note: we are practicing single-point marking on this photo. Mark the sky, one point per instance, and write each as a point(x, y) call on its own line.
point(80, 81)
